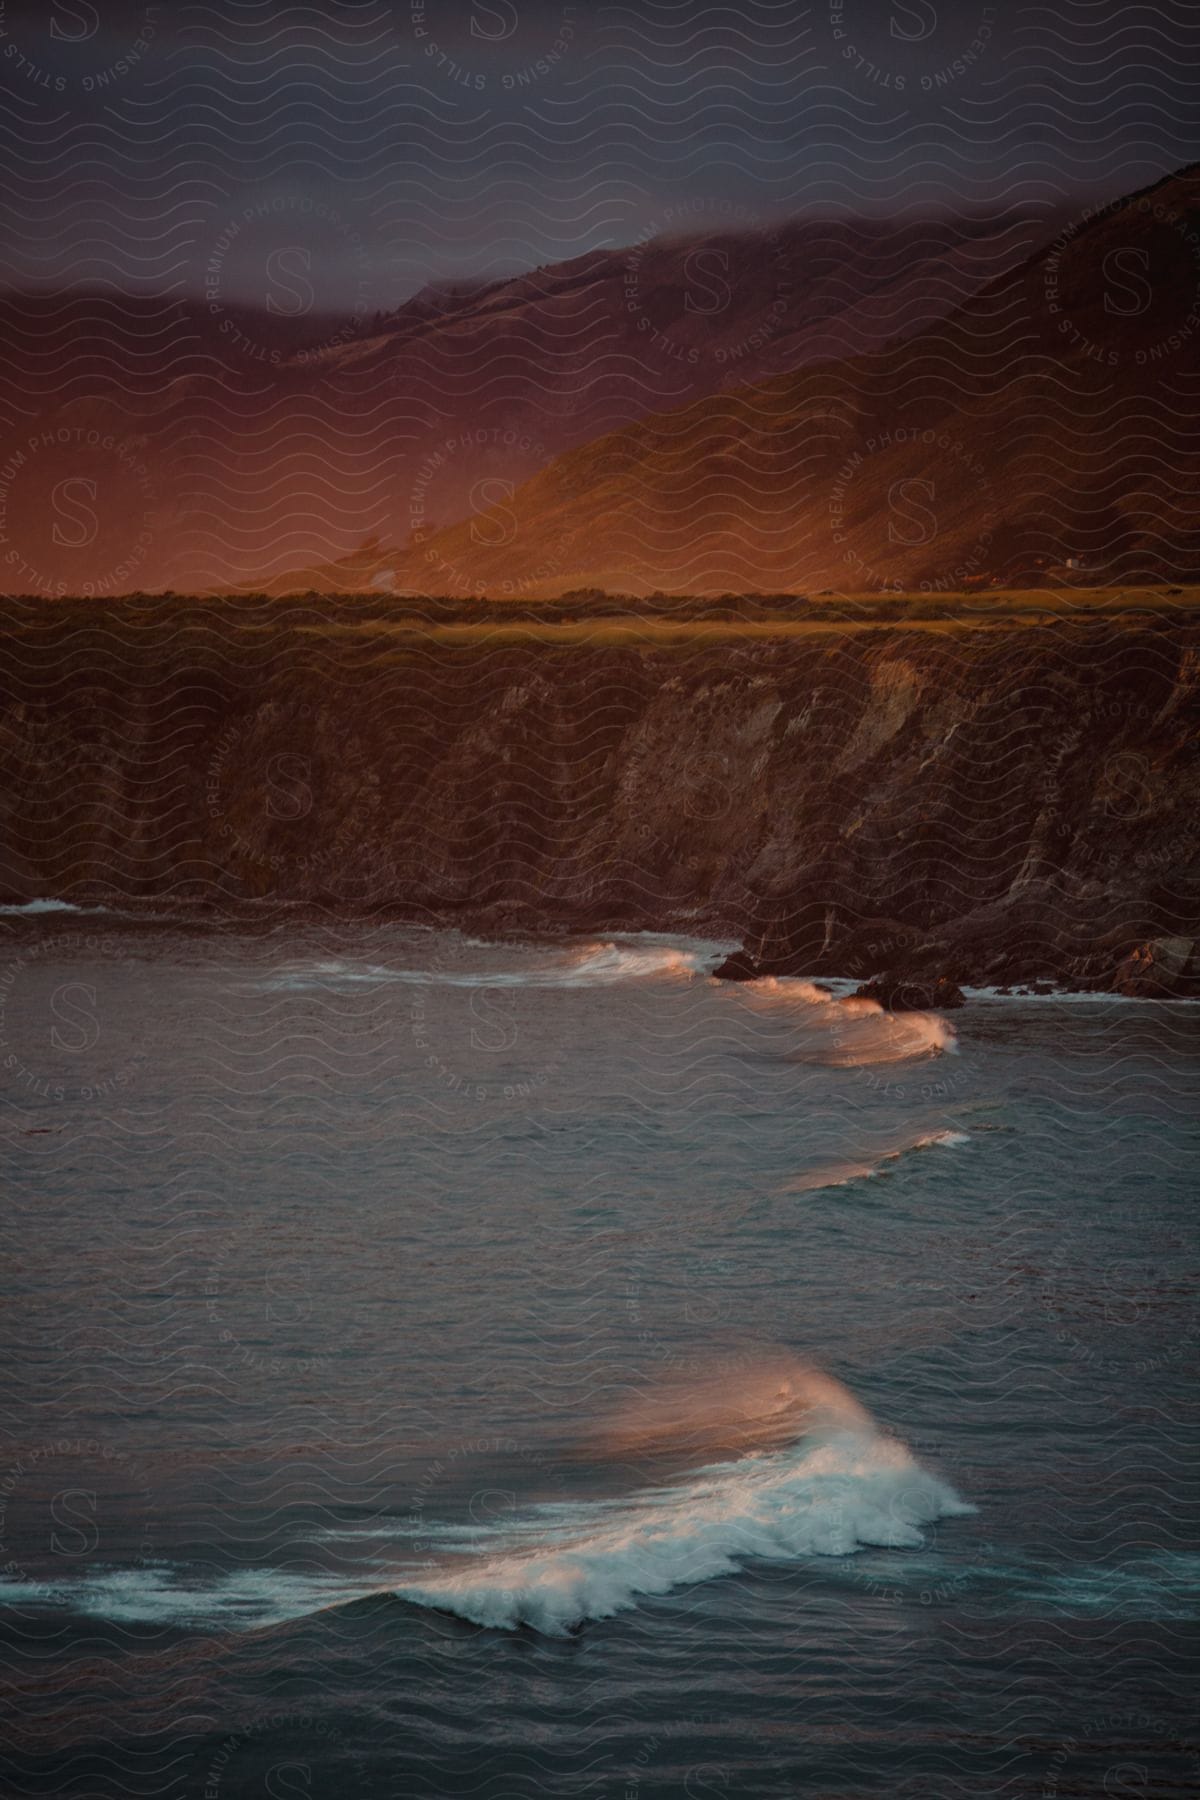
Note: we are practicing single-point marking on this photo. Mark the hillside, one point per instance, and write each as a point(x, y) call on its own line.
point(230, 444)
point(1051, 420)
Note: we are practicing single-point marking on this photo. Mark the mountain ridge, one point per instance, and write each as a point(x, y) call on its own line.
point(279, 446)
point(1061, 433)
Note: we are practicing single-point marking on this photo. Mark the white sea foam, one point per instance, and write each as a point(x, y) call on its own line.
point(1163, 1585)
point(848, 1033)
point(160, 1593)
point(808, 1474)
point(1070, 997)
point(816, 1478)
point(831, 1496)
point(30, 908)
point(603, 964)
point(842, 1174)
point(600, 964)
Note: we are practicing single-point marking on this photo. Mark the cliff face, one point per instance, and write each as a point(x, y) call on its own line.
point(996, 801)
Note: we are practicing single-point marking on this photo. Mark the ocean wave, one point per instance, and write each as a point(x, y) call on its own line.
point(1162, 1585)
point(600, 964)
point(848, 1033)
point(592, 965)
point(843, 1487)
point(160, 1592)
point(836, 1175)
point(806, 1472)
point(828, 1498)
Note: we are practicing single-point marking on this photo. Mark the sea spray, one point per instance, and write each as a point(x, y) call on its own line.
point(847, 1033)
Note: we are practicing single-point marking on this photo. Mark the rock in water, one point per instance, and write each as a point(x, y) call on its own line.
point(741, 966)
point(906, 993)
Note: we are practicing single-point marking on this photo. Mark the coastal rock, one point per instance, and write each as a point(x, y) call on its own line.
point(738, 967)
point(902, 993)
point(1163, 969)
point(727, 784)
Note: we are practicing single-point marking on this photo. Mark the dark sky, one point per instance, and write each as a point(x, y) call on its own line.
point(359, 149)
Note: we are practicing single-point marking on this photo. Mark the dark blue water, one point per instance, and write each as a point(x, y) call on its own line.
point(440, 1368)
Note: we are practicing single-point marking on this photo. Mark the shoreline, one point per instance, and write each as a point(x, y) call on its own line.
point(46, 918)
point(929, 809)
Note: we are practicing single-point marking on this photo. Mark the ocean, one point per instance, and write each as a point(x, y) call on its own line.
point(440, 1367)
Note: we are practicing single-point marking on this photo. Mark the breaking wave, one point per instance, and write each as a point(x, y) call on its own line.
point(844, 1486)
point(599, 964)
point(842, 1174)
point(848, 1033)
point(592, 965)
point(774, 1461)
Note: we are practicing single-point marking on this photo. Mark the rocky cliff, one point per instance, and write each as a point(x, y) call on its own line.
point(992, 799)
